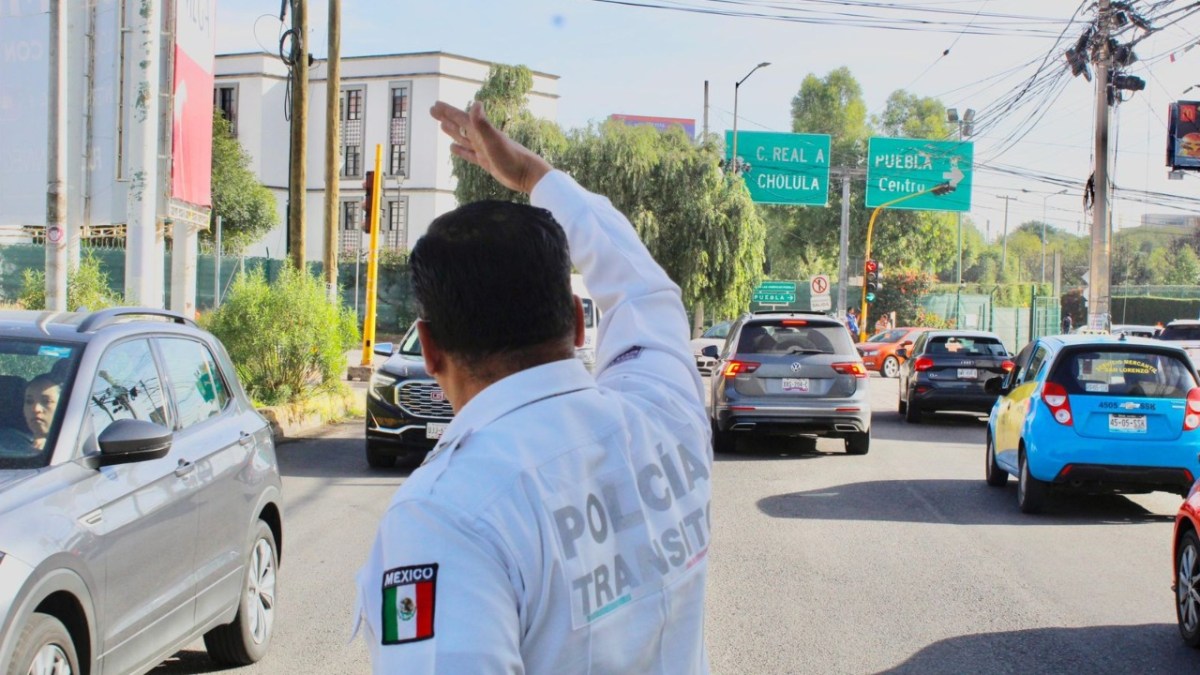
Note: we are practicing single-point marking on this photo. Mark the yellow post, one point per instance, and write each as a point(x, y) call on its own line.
point(372, 260)
point(939, 189)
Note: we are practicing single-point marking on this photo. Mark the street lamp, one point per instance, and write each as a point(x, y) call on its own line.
point(966, 127)
point(1060, 192)
point(734, 157)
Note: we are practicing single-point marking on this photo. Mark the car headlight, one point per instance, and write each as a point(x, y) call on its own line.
point(381, 382)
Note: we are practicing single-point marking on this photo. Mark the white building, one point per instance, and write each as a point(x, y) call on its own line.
point(384, 101)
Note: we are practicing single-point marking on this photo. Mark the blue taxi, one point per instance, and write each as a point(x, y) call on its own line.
point(1095, 413)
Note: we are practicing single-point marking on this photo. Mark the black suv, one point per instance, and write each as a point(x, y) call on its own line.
point(406, 409)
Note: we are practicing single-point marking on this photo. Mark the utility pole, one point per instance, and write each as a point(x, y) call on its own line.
point(56, 173)
point(297, 175)
point(333, 93)
point(1098, 289)
point(698, 314)
point(846, 174)
point(144, 250)
point(1004, 245)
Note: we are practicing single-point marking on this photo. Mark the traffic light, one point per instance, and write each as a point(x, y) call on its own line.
point(871, 272)
point(368, 200)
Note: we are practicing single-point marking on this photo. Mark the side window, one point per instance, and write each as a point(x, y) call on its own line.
point(919, 345)
point(1019, 363)
point(1035, 364)
point(128, 386)
point(199, 391)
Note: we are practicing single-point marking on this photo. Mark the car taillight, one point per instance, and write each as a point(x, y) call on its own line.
point(854, 368)
point(1191, 417)
point(923, 363)
point(735, 368)
point(1007, 366)
point(1055, 398)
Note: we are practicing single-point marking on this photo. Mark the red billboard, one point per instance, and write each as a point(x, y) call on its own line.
point(191, 127)
point(660, 123)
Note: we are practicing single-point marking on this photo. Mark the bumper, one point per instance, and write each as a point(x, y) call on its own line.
point(392, 425)
point(960, 400)
point(872, 361)
point(852, 418)
point(1117, 478)
point(705, 364)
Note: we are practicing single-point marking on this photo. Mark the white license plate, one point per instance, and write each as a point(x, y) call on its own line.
point(968, 373)
point(1127, 424)
point(795, 384)
point(434, 429)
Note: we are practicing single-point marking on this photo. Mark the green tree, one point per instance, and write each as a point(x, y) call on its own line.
point(246, 207)
point(910, 116)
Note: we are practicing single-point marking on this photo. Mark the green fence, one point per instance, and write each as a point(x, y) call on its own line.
point(1016, 326)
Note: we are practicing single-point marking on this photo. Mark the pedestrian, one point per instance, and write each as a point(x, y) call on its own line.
point(852, 323)
point(883, 323)
point(1067, 324)
point(562, 523)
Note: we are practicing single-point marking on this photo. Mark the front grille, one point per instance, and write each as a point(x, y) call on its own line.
point(423, 398)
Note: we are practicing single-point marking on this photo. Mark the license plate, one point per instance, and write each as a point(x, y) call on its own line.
point(1127, 424)
point(968, 373)
point(434, 429)
point(795, 384)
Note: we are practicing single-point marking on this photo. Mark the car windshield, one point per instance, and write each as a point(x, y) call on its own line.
point(1121, 372)
point(893, 335)
point(1180, 333)
point(964, 345)
point(34, 376)
point(411, 344)
point(794, 336)
point(719, 331)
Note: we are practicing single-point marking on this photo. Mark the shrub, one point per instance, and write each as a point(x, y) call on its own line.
point(87, 287)
point(285, 339)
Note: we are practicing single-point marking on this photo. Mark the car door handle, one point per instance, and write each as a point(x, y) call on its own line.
point(184, 468)
point(245, 438)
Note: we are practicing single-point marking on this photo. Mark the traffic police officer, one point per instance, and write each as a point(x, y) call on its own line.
point(561, 525)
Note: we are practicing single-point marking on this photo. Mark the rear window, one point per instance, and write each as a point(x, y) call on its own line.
point(961, 345)
point(1180, 333)
point(1118, 372)
point(794, 336)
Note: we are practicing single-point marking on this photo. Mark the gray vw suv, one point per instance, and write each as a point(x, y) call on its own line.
point(790, 373)
point(139, 495)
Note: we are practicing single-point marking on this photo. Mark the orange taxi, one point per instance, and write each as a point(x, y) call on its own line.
point(879, 351)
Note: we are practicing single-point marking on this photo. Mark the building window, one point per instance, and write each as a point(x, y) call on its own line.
point(351, 107)
point(398, 131)
point(395, 229)
point(225, 100)
point(349, 230)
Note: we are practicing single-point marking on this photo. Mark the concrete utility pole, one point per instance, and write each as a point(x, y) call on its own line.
point(846, 174)
point(333, 87)
point(698, 314)
point(297, 175)
point(1098, 289)
point(1004, 243)
point(56, 172)
point(144, 249)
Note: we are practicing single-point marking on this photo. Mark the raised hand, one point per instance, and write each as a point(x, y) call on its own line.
point(477, 141)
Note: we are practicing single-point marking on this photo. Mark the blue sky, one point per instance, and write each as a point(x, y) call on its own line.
point(619, 59)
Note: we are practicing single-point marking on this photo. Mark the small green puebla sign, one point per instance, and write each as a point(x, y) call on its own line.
point(782, 168)
point(775, 293)
point(899, 167)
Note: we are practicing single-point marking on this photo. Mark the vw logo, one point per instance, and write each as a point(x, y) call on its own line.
point(796, 367)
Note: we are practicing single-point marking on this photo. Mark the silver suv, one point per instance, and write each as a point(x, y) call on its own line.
point(139, 495)
point(790, 373)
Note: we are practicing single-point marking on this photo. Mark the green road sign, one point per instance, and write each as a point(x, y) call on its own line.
point(897, 167)
point(783, 168)
point(774, 292)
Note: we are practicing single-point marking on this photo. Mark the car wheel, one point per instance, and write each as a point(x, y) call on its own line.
point(246, 640)
point(912, 413)
point(858, 443)
point(996, 477)
point(44, 648)
point(723, 441)
point(1031, 492)
point(901, 404)
point(1187, 588)
point(379, 457)
point(891, 367)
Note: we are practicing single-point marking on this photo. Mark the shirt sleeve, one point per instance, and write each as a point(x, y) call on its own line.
point(434, 597)
point(644, 331)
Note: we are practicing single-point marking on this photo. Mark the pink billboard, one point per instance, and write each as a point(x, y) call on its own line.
point(191, 128)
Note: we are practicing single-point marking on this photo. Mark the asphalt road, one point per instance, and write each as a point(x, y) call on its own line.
point(902, 560)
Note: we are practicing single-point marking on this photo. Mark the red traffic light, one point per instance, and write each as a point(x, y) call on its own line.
point(872, 266)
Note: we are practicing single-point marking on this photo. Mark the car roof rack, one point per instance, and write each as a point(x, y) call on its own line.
point(107, 317)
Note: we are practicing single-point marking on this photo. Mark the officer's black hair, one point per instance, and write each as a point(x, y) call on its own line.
point(494, 278)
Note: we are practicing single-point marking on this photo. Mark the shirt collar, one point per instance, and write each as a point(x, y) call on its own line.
point(510, 393)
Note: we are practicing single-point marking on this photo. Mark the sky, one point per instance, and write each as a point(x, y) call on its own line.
point(616, 58)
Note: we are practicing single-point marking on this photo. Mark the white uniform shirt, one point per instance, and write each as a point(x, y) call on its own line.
point(562, 523)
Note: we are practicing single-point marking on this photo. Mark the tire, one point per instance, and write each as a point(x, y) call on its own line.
point(723, 441)
point(912, 413)
point(246, 640)
point(858, 443)
point(378, 457)
point(1031, 492)
point(890, 367)
point(901, 405)
point(44, 648)
point(1187, 588)
point(995, 476)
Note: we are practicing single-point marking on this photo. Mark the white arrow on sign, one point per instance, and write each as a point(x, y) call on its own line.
point(955, 175)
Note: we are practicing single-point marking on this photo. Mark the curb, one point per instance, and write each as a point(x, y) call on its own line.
point(292, 421)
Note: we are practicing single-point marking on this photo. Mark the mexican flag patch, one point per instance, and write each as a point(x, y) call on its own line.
point(408, 602)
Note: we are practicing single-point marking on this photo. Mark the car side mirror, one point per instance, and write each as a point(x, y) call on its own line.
point(384, 348)
point(902, 352)
point(710, 351)
point(126, 441)
point(996, 385)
